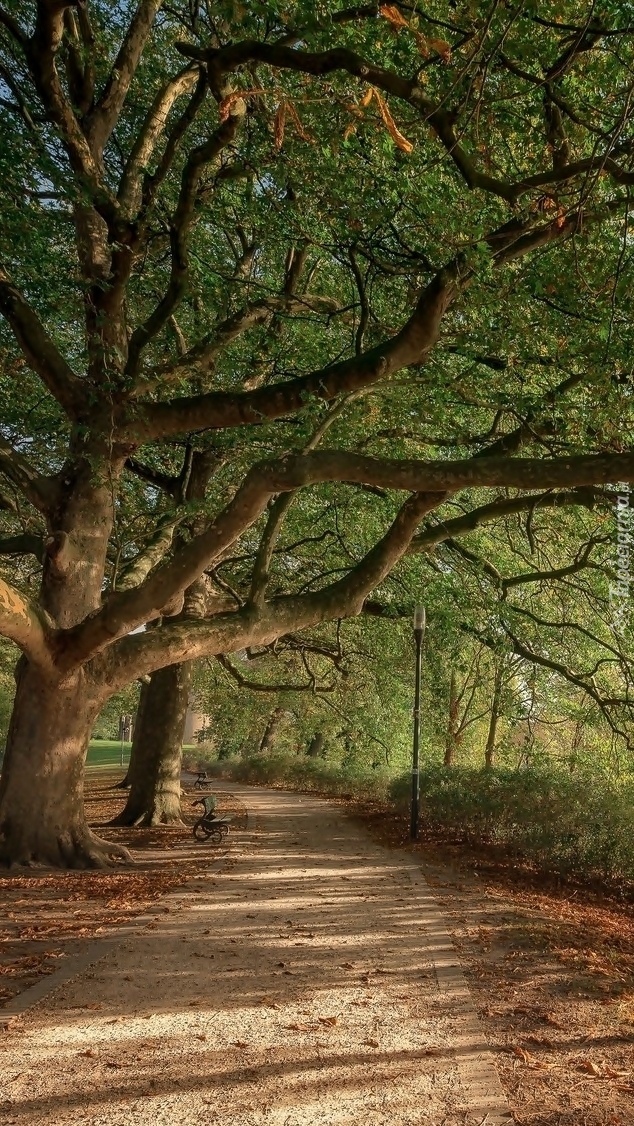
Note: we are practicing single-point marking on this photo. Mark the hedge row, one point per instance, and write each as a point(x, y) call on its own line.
point(570, 823)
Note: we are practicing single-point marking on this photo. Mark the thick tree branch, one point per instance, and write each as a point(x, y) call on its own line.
point(409, 346)
point(441, 120)
point(163, 481)
point(222, 409)
point(41, 50)
point(199, 159)
point(80, 64)
point(24, 544)
point(227, 633)
point(40, 491)
point(154, 551)
point(506, 506)
point(581, 564)
point(123, 612)
point(39, 350)
point(106, 113)
point(260, 578)
point(130, 189)
point(200, 359)
point(24, 624)
point(153, 181)
point(530, 428)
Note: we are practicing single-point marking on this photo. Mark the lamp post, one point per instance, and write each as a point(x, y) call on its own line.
point(419, 631)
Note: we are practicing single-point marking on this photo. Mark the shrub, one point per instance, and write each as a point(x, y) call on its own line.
point(573, 824)
point(299, 772)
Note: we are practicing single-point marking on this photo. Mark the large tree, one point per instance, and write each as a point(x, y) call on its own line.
point(285, 227)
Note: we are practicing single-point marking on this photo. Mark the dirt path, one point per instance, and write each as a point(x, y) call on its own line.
point(310, 982)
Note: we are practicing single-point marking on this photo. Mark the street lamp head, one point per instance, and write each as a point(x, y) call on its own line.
point(419, 616)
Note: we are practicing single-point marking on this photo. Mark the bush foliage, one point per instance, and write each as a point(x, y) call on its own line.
point(576, 824)
point(570, 823)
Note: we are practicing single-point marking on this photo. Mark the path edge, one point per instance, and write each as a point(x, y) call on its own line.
point(97, 949)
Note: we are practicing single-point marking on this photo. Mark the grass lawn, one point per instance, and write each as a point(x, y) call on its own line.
point(107, 752)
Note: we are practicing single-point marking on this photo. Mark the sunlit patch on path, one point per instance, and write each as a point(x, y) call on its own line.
point(313, 982)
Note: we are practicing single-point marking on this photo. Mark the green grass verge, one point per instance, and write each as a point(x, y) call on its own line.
point(107, 752)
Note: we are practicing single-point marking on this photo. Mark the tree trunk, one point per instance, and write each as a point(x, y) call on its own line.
point(489, 750)
point(316, 745)
point(271, 730)
point(157, 748)
point(154, 772)
point(451, 740)
point(41, 790)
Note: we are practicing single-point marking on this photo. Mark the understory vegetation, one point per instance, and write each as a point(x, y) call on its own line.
point(577, 825)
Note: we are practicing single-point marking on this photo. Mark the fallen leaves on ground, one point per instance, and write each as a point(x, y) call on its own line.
point(539, 955)
point(47, 916)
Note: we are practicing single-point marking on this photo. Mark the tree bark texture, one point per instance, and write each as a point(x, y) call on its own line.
point(157, 746)
point(41, 790)
point(155, 761)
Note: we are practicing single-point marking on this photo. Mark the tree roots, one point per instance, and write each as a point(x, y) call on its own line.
point(77, 848)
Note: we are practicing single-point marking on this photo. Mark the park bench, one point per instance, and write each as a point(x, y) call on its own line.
point(202, 780)
point(210, 827)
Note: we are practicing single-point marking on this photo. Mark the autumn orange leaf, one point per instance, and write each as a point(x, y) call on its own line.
point(521, 1053)
point(442, 48)
point(400, 141)
point(303, 133)
point(392, 14)
point(424, 45)
point(590, 1067)
point(421, 43)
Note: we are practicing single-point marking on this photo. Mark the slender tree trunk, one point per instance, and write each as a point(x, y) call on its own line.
point(489, 750)
point(124, 784)
point(451, 740)
point(41, 791)
point(157, 748)
point(271, 731)
point(316, 745)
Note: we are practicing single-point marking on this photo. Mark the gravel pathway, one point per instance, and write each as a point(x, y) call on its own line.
point(311, 982)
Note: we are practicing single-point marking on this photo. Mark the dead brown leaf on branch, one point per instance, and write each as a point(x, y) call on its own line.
point(424, 44)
